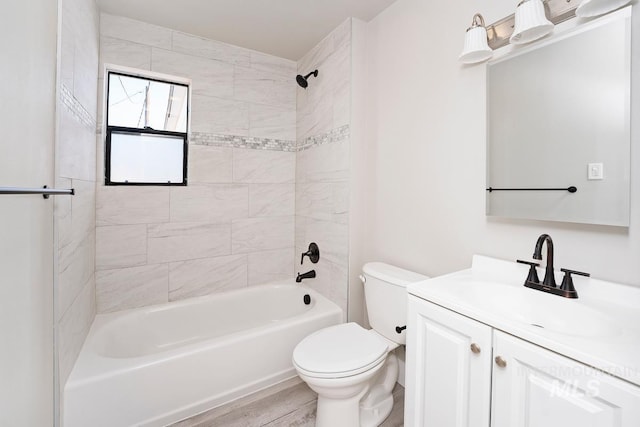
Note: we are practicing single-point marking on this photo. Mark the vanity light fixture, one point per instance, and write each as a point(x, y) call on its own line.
point(533, 19)
point(531, 22)
point(591, 8)
point(476, 47)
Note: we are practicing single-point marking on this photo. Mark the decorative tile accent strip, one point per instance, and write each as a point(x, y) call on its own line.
point(253, 143)
point(334, 135)
point(201, 138)
point(74, 106)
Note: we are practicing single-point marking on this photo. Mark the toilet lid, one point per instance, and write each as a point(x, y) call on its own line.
point(343, 349)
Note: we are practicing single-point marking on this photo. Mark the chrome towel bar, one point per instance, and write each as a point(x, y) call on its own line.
point(45, 191)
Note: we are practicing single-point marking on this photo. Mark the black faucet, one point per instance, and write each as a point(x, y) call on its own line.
point(308, 275)
point(549, 276)
point(567, 289)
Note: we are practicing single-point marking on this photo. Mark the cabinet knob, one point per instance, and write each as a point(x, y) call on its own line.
point(475, 348)
point(501, 362)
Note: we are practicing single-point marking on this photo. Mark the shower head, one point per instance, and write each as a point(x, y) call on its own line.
point(302, 81)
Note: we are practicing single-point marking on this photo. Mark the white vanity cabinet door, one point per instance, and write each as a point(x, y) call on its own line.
point(448, 383)
point(540, 388)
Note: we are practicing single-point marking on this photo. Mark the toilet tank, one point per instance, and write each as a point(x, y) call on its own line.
point(385, 291)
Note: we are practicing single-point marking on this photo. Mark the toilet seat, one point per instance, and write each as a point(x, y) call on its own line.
point(339, 351)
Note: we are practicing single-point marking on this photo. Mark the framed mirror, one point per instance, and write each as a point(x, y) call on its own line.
point(559, 117)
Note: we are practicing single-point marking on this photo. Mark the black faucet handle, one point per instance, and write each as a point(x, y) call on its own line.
point(567, 288)
point(579, 273)
point(535, 264)
point(313, 253)
point(532, 277)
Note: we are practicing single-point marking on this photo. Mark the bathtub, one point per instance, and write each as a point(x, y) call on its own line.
point(156, 365)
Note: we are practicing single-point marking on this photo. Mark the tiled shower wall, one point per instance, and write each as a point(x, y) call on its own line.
point(233, 225)
point(75, 168)
point(322, 163)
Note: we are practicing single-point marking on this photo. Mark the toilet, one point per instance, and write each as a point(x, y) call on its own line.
point(354, 369)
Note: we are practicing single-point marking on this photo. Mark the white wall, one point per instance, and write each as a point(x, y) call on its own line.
point(27, 119)
point(426, 128)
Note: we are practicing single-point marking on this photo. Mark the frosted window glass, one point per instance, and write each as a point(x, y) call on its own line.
point(146, 158)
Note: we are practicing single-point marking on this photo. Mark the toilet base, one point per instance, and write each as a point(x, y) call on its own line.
point(373, 416)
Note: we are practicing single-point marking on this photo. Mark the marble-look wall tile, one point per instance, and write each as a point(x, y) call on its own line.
point(217, 115)
point(315, 118)
point(121, 289)
point(73, 328)
point(136, 31)
point(271, 200)
point(76, 148)
point(270, 266)
point(273, 65)
point(212, 49)
point(83, 206)
point(121, 205)
point(260, 234)
point(332, 238)
point(263, 167)
point(342, 34)
point(316, 56)
point(67, 53)
point(85, 76)
point(120, 246)
point(125, 53)
point(76, 264)
point(254, 86)
point(266, 121)
point(183, 241)
point(324, 163)
point(210, 165)
point(62, 214)
point(199, 277)
point(209, 203)
point(208, 77)
point(322, 200)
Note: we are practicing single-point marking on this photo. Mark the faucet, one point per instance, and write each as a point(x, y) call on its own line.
point(549, 277)
point(308, 275)
point(548, 285)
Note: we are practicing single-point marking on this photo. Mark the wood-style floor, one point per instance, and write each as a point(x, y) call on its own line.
point(290, 403)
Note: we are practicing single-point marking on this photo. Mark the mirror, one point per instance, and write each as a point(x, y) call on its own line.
point(559, 117)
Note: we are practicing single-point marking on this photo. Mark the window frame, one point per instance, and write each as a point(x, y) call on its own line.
point(109, 130)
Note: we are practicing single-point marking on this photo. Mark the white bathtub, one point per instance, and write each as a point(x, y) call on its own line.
point(156, 365)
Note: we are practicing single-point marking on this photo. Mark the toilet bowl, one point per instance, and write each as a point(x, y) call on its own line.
point(343, 364)
point(353, 369)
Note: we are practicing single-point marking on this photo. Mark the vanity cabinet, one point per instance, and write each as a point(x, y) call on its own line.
point(448, 381)
point(464, 373)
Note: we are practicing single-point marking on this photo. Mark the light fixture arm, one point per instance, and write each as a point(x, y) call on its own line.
point(478, 21)
point(558, 11)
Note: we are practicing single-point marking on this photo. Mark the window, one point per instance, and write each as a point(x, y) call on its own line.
point(146, 131)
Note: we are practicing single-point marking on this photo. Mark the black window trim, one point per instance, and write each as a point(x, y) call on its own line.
point(143, 131)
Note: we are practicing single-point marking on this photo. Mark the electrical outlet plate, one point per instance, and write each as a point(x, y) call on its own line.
point(595, 171)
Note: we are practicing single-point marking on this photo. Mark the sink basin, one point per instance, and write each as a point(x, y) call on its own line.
point(549, 312)
point(533, 308)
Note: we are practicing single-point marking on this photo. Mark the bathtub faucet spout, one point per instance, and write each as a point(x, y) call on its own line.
point(308, 275)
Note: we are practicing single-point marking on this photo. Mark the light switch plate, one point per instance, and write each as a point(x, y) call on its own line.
point(595, 171)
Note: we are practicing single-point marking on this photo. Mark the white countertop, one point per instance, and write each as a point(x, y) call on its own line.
point(601, 328)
